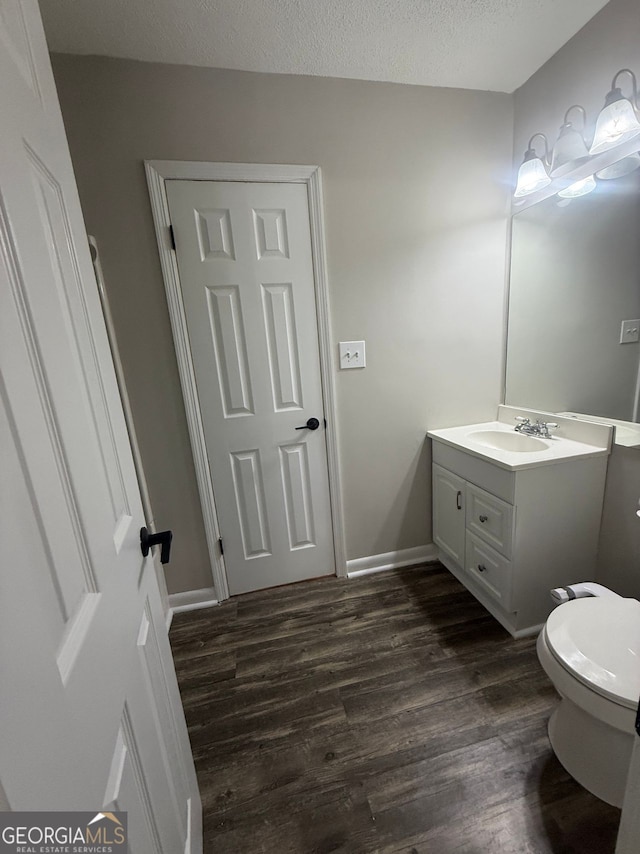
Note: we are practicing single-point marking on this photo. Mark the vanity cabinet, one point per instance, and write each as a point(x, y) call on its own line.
point(510, 536)
point(475, 529)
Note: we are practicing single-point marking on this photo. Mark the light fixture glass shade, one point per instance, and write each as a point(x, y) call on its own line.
point(622, 167)
point(617, 123)
point(580, 188)
point(532, 176)
point(569, 152)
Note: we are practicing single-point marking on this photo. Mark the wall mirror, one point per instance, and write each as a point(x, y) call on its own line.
point(575, 277)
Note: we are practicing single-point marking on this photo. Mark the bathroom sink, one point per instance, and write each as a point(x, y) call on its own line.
point(498, 441)
point(502, 440)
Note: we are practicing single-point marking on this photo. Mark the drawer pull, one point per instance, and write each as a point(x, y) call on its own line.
point(481, 567)
point(458, 497)
point(483, 518)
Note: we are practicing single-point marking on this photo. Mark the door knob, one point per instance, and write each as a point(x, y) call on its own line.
point(161, 538)
point(312, 424)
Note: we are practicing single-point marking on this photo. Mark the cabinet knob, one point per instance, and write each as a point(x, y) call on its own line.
point(483, 518)
point(481, 567)
point(458, 497)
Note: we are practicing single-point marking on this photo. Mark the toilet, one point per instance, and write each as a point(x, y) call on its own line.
point(590, 649)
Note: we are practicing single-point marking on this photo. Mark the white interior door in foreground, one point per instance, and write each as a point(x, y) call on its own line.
point(90, 714)
point(246, 273)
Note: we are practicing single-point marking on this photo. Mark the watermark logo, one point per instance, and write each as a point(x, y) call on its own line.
point(63, 833)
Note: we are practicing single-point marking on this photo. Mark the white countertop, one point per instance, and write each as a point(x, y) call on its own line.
point(564, 445)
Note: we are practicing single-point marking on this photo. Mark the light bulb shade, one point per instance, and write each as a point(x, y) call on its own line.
point(532, 176)
point(622, 167)
point(580, 188)
point(569, 152)
point(617, 123)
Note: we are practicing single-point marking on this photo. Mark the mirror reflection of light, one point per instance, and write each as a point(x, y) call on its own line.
point(580, 188)
point(621, 168)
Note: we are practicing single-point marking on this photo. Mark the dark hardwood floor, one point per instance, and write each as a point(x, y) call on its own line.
point(384, 714)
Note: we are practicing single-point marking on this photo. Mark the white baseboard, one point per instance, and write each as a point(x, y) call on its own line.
point(391, 560)
point(190, 600)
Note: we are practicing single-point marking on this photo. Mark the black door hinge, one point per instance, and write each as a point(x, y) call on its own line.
point(221, 546)
point(172, 238)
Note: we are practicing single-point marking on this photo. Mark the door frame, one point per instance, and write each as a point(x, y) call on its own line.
point(158, 172)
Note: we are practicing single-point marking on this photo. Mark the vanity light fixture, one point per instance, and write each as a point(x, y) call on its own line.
point(618, 119)
point(580, 188)
point(618, 123)
point(533, 175)
point(570, 149)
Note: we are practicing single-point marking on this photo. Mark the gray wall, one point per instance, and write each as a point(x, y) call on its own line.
point(581, 72)
point(416, 192)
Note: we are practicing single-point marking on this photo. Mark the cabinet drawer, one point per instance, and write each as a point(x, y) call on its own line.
point(489, 569)
point(490, 518)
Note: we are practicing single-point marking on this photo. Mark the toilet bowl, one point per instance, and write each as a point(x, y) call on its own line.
point(590, 649)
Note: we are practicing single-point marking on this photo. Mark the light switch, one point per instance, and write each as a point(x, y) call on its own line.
point(352, 354)
point(630, 331)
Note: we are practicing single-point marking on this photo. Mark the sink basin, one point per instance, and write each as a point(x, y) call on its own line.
point(503, 440)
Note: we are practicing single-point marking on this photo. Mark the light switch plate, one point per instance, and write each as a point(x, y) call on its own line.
point(630, 331)
point(352, 354)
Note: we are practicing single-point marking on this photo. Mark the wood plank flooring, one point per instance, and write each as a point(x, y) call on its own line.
point(385, 714)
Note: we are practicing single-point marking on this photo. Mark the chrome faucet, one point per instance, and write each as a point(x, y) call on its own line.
point(542, 429)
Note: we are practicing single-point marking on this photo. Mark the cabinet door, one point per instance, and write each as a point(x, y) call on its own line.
point(448, 513)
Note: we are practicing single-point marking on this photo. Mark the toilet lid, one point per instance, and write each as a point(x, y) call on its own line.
point(598, 641)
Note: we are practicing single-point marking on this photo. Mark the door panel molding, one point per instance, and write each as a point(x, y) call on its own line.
point(158, 172)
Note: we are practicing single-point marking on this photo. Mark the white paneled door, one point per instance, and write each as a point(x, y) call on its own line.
point(246, 273)
point(90, 714)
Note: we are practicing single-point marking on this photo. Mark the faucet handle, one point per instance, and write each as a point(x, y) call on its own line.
point(522, 419)
point(545, 428)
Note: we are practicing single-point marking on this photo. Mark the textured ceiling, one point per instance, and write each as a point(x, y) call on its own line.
point(474, 44)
